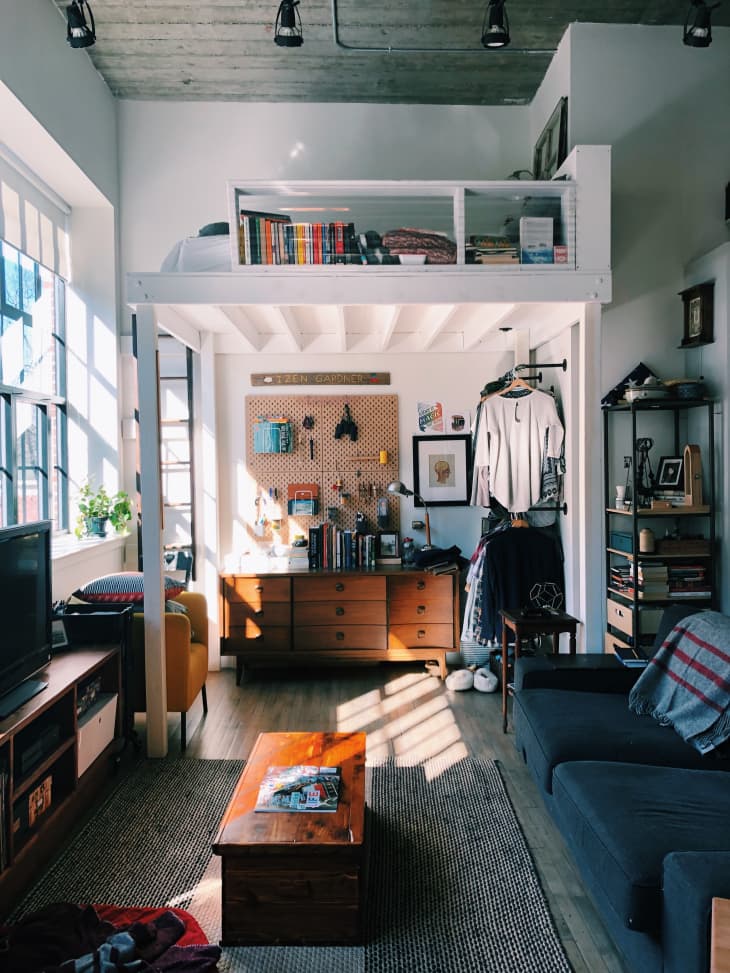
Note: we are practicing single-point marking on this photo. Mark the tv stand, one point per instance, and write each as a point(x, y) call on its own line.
point(21, 694)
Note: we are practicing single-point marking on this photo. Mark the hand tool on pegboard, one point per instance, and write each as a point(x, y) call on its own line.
point(308, 424)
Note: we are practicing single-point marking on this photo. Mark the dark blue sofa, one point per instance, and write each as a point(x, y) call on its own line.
point(644, 815)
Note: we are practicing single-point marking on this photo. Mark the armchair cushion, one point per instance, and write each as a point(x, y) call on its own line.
point(124, 586)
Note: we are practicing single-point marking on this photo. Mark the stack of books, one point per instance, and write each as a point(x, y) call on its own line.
point(485, 248)
point(621, 577)
point(650, 580)
point(688, 581)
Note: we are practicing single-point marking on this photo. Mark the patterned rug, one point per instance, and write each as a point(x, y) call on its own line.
point(452, 886)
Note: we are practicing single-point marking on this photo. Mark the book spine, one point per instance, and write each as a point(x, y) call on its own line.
point(313, 549)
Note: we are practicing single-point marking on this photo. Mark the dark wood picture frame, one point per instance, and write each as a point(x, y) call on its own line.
point(670, 474)
point(387, 544)
point(442, 470)
point(698, 314)
point(551, 147)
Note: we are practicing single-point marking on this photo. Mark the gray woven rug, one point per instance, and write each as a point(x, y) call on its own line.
point(452, 887)
point(148, 843)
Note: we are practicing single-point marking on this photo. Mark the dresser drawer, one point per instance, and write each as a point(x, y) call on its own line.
point(340, 613)
point(341, 587)
point(433, 634)
point(422, 607)
point(414, 588)
point(340, 637)
point(611, 642)
point(272, 613)
point(240, 640)
point(256, 592)
point(622, 617)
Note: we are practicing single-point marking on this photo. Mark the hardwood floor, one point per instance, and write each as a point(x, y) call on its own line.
point(410, 715)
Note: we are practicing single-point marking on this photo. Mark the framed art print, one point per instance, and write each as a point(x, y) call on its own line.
point(442, 470)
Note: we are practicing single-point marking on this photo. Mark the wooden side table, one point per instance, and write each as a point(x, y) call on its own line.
point(525, 626)
point(720, 936)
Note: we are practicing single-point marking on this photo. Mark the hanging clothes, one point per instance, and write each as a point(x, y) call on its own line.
point(513, 435)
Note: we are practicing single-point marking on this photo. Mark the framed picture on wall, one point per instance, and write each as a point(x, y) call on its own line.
point(442, 470)
point(551, 147)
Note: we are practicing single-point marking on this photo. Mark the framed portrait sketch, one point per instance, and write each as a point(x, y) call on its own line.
point(669, 474)
point(442, 470)
point(551, 147)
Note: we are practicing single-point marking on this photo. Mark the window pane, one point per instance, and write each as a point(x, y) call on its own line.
point(30, 459)
point(11, 276)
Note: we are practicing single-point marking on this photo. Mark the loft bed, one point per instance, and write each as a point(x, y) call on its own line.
point(196, 306)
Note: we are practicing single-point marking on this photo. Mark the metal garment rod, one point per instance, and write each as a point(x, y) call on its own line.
point(560, 364)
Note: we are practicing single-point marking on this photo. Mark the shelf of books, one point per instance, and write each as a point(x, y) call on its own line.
point(524, 225)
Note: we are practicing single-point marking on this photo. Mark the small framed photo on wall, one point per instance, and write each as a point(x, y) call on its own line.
point(442, 470)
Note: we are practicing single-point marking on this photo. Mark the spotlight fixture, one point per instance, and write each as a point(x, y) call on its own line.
point(402, 490)
point(288, 26)
point(699, 32)
point(78, 31)
point(495, 29)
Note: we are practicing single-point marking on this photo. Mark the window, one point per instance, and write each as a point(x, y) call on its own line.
point(33, 429)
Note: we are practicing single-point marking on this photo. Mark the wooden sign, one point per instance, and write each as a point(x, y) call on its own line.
point(321, 379)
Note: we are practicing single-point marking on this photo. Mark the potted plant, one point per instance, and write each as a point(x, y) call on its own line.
point(97, 507)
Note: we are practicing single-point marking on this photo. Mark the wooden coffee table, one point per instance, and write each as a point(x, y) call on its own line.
point(295, 877)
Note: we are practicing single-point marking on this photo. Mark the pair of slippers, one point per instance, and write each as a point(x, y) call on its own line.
point(482, 680)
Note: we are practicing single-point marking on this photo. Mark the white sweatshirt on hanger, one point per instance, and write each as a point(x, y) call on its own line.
point(510, 447)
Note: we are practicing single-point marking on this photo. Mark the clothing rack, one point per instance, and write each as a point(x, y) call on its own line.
point(560, 364)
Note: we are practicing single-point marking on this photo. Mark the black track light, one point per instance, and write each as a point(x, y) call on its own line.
point(78, 32)
point(495, 29)
point(288, 26)
point(698, 33)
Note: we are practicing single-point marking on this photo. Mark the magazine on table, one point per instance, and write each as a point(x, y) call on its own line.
point(299, 788)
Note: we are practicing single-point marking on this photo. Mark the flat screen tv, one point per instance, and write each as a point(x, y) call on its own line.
point(25, 611)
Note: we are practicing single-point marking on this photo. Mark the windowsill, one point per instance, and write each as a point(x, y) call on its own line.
point(66, 547)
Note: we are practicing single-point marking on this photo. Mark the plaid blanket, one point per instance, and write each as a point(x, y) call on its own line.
point(687, 683)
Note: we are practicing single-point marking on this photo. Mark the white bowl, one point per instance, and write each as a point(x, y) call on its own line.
point(412, 258)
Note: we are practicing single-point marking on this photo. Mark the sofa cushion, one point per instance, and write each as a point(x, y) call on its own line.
point(126, 587)
point(620, 820)
point(553, 726)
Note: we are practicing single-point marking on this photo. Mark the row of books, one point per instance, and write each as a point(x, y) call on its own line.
point(661, 580)
point(332, 547)
point(272, 238)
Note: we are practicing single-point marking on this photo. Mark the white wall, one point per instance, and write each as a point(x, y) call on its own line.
point(176, 158)
point(455, 380)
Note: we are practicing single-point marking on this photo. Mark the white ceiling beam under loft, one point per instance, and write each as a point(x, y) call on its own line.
point(546, 321)
point(177, 324)
point(288, 321)
point(439, 318)
point(388, 327)
point(488, 321)
point(340, 329)
point(244, 326)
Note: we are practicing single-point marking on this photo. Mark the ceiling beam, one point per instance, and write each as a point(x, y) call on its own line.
point(490, 319)
point(340, 328)
point(441, 318)
point(291, 328)
point(243, 325)
point(178, 325)
point(391, 321)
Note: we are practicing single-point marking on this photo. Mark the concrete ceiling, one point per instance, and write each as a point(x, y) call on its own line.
point(223, 50)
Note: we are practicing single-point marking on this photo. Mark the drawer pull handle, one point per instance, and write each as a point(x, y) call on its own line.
point(339, 610)
point(619, 613)
point(422, 633)
point(420, 585)
point(421, 610)
point(340, 636)
point(259, 611)
point(339, 586)
point(259, 587)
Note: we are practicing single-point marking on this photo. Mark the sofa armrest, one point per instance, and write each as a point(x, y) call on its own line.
point(594, 672)
point(691, 880)
point(197, 608)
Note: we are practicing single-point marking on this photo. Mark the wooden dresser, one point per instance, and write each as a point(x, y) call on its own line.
point(320, 617)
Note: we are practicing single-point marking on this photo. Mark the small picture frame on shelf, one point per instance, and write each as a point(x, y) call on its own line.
point(387, 547)
point(669, 473)
point(551, 147)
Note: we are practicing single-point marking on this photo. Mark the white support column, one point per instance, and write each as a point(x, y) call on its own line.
point(151, 490)
point(591, 554)
point(206, 496)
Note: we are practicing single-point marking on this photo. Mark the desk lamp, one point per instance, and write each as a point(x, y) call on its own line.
point(400, 488)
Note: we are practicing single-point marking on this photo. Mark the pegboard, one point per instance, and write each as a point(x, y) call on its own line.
point(354, 465)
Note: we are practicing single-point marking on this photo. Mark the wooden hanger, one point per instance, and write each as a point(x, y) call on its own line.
point(516, 383)
point(518, 522)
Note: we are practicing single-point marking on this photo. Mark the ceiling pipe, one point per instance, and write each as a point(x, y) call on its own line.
point(544, 52)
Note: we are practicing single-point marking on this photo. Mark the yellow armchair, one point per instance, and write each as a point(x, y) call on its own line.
point(186, 658)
